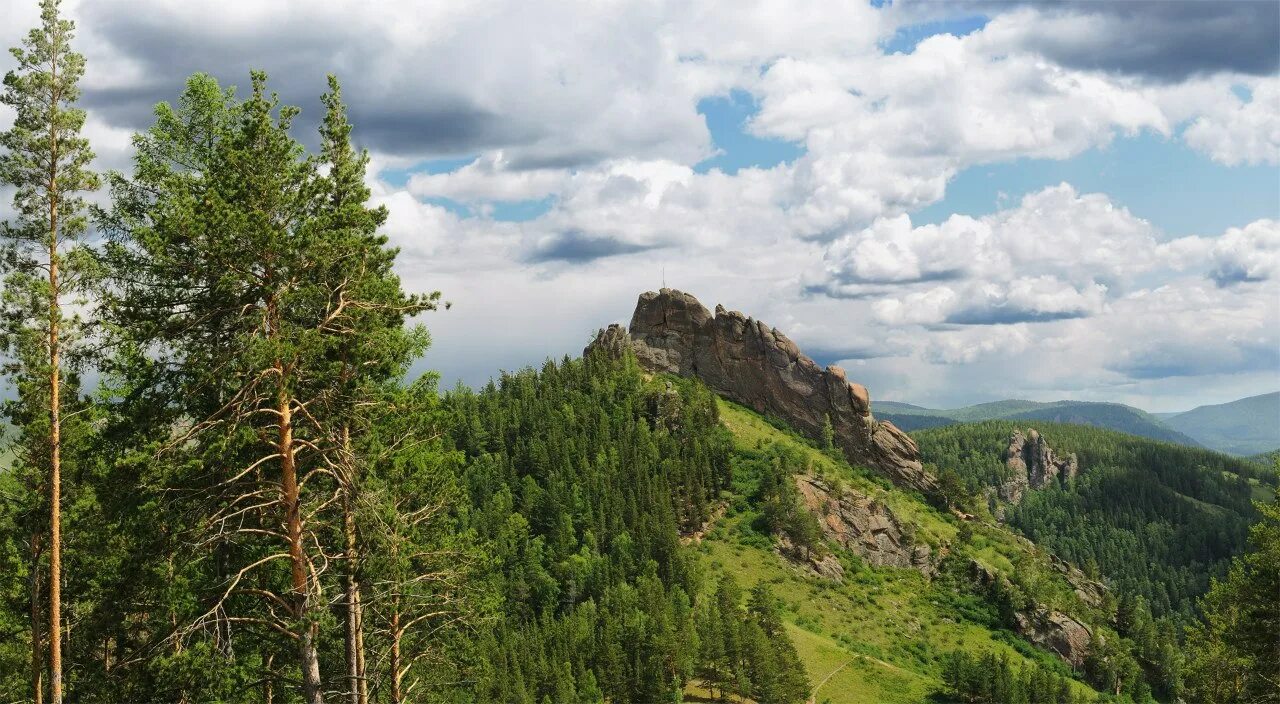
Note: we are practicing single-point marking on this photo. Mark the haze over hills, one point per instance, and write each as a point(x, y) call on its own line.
point(1114, 416)
point(1248, 426)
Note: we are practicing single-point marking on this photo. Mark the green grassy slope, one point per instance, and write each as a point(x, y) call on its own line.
point(1244, 427)
point(877, 637)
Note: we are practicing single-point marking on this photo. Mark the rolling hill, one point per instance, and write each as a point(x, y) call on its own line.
point(1114, 416)
point(1245, 427)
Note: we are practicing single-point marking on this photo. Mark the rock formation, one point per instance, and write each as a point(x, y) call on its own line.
point(866, 527)
point(1032, 464)
point(826, 565)
point(1090, 591)
point(751, 363)
point(1056, 632)
point(1053, 630)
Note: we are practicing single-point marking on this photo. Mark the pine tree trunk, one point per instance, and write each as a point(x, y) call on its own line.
point(397, 696)
point(268, 682)
point(37, 636)
point(359, 692)
point(355, 613)
point(364, 678)
point(55, 442)
point(311, 687)
point(312, 690)
point(353, 664)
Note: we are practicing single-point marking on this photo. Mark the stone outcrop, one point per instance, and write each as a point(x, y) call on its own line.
point(1033, 465)
point(751, 363)
point(864, 526)
point(1056, 632)
point(826, 565)
point(613, 340)
point(1053, 630)
point(1090, 591)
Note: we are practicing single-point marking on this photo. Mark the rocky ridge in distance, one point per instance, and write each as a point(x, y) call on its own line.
point(753, 364)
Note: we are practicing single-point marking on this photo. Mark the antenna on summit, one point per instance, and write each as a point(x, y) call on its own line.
point(664, 277)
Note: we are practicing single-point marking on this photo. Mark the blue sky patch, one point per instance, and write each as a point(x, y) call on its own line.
point(906, 38)
point(453, 206)
point(1157, 179)
point(727, 118)
point(522, 210)
point(399, 178)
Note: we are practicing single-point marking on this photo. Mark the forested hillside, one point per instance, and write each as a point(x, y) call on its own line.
point(1186, 511)
point(1244, 427)
point(223, 484)
point(882, 634)
point(1113, 416)
point(580, 480)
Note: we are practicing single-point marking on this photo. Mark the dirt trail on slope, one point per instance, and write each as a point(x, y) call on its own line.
point(813, 698)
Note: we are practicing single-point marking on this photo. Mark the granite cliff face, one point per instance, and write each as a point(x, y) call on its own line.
point(1033, 465)
point(751, 363)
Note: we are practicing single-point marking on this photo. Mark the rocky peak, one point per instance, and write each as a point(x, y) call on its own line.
point(751, 363)
point(1033, 464)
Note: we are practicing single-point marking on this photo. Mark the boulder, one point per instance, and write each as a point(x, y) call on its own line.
point(748, 362)
point(1056, 632)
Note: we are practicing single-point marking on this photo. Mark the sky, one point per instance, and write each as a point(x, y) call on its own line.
point(957, 202)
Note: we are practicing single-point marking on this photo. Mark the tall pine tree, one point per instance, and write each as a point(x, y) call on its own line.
point(371, 350)
point(47, 161)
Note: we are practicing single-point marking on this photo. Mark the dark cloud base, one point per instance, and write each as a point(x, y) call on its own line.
point(577, 247)
point(1009, 315)
point(1161, 40)
point(1185, 362)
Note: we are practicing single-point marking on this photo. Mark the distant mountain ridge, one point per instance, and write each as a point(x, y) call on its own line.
point(1248, 426)
point(1114, 416)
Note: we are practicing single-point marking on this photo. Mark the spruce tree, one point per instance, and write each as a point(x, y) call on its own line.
point(47, 160)
point(1234, 655)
